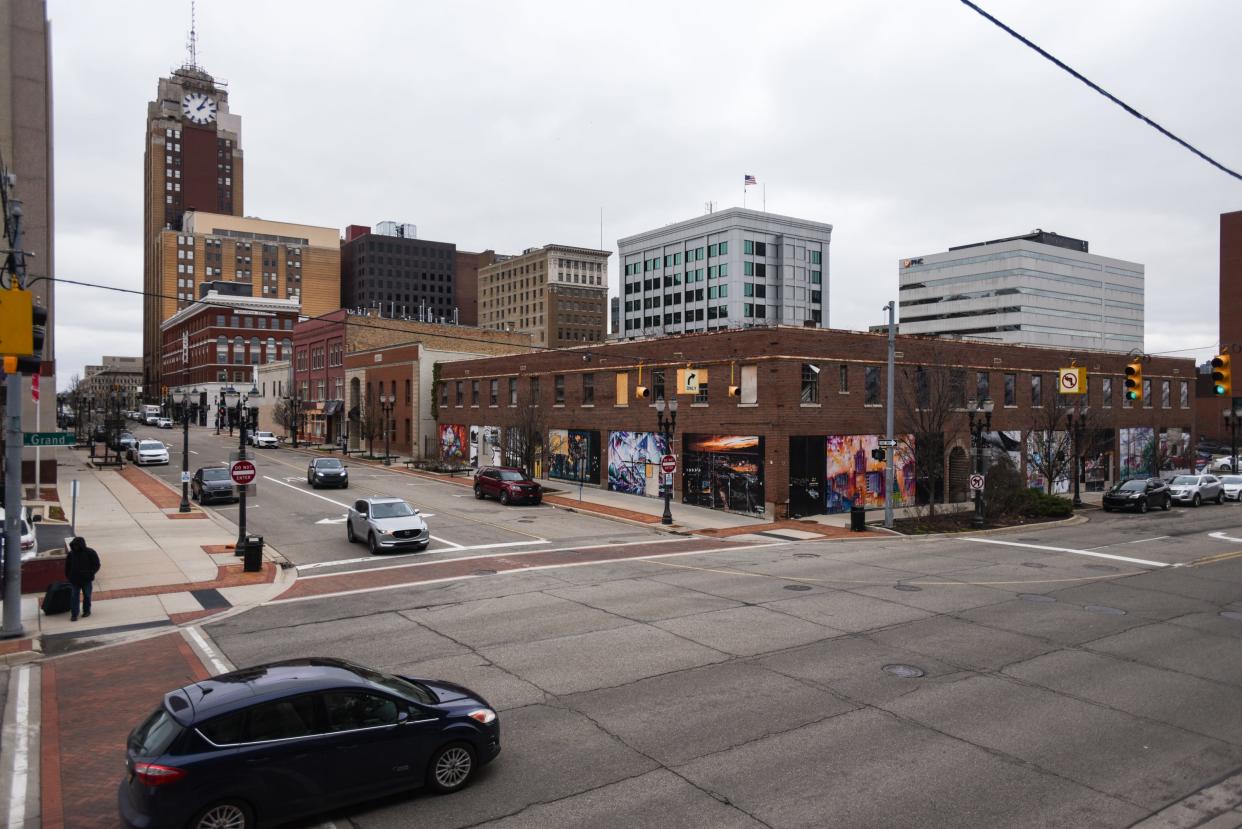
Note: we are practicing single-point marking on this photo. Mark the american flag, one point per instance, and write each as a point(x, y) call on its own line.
point(749, 180)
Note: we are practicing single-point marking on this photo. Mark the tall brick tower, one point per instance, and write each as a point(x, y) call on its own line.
point(192, 161)
point(1231, 279)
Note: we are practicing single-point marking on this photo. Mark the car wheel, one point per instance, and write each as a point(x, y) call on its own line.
point(1168, 502)
point(228, 814)
point(478, 492)
point(1220, 497)
point(504, 497)
point(1197, 501)
point(450, 768)
point(372, 544)
point(349, 531)
point(1107, 509)
point(1143, 505)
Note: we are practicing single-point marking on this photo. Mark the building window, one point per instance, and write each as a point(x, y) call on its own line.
point(810, 383)
point(409, 392)
point(1011, 389)
point(871, 386)
point(1106, 392)
point(460, 397)
point(239, 350)
point(701, 395)
point(512, 391)
point(1185, 394)
point(474, 392)
point(443, 395)
point(271, 350)
point(588, 390)
point(534, 391)
point(558, 389)
point(981, 386)
point(1037, 390)
point(657, 383)
point(1147, 401)
point(844, 384)
point(1166, 394)
point(493, 392)
point(222, 349)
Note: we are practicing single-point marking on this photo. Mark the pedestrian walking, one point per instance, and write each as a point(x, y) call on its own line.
point(81, 565)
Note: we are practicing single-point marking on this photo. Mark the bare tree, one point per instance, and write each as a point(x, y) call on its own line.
point(280, 414)
point(524, 438)
point(928, 414)
point(370, 427)
point(1049, 447)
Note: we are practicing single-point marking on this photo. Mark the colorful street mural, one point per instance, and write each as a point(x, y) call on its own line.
point(854, 477)
point(573, 454)
point(1007, 443)
point(489, 446)
point(634, 462)
point(723, 472)
point(452, 443)
point(1039, 442)
point(474, 446)
point(1175, 450)
point(1138, 447)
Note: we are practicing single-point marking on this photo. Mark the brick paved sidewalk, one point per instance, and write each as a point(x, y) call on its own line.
point(158, 493)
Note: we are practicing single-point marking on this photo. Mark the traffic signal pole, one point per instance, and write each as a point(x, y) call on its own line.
point(12, 623)
point(891, 449)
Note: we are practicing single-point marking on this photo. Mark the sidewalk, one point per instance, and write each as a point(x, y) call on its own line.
point(158, 569)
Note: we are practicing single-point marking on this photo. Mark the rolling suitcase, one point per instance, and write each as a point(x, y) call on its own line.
point(58, 598)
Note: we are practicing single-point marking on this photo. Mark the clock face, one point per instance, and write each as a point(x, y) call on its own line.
point(198, 107)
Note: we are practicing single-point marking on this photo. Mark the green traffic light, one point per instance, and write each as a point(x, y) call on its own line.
point(1218, 390)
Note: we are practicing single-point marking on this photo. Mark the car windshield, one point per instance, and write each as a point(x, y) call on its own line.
point(1232, 480)
point(1185, 480)
point(150, 445)
point(263, 434)
point(1133, 486)
point(507, 475)
point(391, 509)
point(216, 474)
point(327, 463)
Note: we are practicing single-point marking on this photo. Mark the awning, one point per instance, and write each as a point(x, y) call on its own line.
point(333, 407)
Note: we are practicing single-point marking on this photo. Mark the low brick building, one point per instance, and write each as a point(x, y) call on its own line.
point(808, 410)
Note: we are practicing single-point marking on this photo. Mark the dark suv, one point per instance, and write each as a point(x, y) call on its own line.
point(1139, 494)
point(270, 743)
point(507, 484)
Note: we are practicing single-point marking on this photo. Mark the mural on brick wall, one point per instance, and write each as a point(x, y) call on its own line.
point(634, 462)
point(489, 445)
point(573, 455)
point(853, 476)
point(472, 441)
point(1175, 450)
point(1037, 443)
point(1138, 447)
point(452, 442)
point(723, 472)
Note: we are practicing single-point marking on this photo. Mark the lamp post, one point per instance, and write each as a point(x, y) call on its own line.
point(183, 397)
point(980, 414)
point(667, 426)
point(246, 408)
point(1232, 418)
point(386, 401)
point(219, 410)
point(293, 406)
point(1075, 425)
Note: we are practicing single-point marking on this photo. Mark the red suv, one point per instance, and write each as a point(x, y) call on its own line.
point(507, 484)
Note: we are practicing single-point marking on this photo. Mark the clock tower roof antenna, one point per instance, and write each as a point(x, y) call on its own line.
point(191, 44)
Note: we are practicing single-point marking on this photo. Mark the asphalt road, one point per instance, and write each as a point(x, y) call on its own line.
point(1073, 676)
point(308, 526)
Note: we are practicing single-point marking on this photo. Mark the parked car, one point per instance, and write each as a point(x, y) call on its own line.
point(264, 440)
point(1139, 494)
point(1232, 485)
point(150, 451)
point(327, 472)
point(151, 420)
point(386, 524)
point(1195, 489)
point(28, 526)
point(506, 484)
point(1224, 464)
point(164, 423)
point(125, 441)
point(212, 483)
point(274, 742)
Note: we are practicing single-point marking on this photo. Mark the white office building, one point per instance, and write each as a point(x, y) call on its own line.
point(731, 268)
point(1040, 289)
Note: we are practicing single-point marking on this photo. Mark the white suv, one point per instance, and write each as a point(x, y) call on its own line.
point(150, 451)
point(264, 439)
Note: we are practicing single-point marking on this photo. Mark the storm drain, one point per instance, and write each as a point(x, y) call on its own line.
point(907, 588)
point(1102, 609)
point(1036, 597)
point(1103, 568)
point(1236, 615)
point(905, 671)
point(797, 587)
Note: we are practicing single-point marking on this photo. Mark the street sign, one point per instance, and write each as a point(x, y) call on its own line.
point(976, 482)
point(185, 477)
point(1072, 380)
point(689, 380)
point(887, 442)
point(668, 464)
point(242, 472)
point(48, 439)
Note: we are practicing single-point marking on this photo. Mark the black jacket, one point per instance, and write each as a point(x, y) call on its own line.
point(82, 563)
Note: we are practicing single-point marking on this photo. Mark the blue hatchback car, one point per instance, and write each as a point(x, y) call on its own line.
point(289, 739)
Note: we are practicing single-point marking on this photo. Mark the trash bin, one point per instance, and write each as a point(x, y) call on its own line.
point(858, 519)
point(254, 554)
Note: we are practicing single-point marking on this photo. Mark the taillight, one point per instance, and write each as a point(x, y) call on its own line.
point(483, 715)
point(153, 774)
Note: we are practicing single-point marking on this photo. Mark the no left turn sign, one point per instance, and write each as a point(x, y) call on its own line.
point(976, 482)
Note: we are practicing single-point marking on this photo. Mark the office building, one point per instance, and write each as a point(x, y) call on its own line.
point(393, 272)
point(1039, 289)
point(122, 375)
point(733, 268)
point(557, 293)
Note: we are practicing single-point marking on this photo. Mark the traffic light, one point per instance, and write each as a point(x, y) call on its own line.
point(735, 391)
point(38, 330)
point(877, 454)
point(642, 392)
point(1222, 378)
point(1134, 380)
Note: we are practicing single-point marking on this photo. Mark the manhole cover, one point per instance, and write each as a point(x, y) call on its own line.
point(484, 573)
point(1034, 565)
point(1236, 615)
point(797, 587)
point(1103, 568)
point(806, 555)
point(1107, 611)
point(1036, 597)
point(908, 588)
point(905, 671)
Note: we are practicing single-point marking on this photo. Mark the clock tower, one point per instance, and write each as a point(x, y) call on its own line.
point(192, 161)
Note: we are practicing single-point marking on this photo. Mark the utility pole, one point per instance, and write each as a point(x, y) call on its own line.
point(891, 449)
point(16, 265)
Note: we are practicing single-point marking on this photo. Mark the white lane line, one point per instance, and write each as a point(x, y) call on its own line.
point(21, 750)
point(207, 650)
point(1136, 541)
point(1223, 537)
point(192, 452)
point(521, 570)
point(1144, 562)
point(318, 564)
point(425, 563)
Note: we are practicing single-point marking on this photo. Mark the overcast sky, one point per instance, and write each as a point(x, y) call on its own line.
point(909, 126)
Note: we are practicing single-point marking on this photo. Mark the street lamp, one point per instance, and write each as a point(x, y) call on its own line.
point(980, 414)
point(293, 407)
point(1076, 425)
point(386, 401)
point(183, 398)
point(1232, 419)
point(666, 426)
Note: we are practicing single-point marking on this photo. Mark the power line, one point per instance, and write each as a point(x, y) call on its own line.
point(1104, 92)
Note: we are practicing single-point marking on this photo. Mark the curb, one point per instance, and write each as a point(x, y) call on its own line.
point(1073, 520)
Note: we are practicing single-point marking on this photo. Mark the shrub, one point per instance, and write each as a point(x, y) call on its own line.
point(1042, 505)
point(1004, 493)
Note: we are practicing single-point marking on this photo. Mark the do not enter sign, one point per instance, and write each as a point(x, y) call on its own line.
point(668, 464)
point(242, 472)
